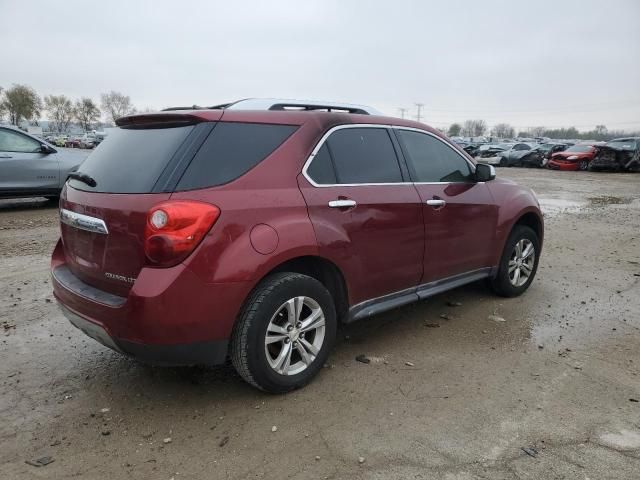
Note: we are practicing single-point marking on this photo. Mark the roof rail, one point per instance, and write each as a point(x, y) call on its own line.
point(306, 105)
point(285, 104)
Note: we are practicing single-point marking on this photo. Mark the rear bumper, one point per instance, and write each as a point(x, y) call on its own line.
point(170, 315)
point(202, 353)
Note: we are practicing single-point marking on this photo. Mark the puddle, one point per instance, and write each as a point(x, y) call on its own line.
point(608, 200)
point(554, 206)
point(625, 440)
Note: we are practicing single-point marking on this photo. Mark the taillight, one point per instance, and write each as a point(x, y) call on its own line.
point(175, 228)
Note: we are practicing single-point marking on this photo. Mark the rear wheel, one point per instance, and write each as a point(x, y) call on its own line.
point(284, 333)
point(518, 264)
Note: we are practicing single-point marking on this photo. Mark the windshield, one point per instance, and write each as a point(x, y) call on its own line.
point(579, 149)
point(624, 144)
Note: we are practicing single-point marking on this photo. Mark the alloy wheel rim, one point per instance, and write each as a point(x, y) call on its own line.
point(521, 262)
point(295, 335)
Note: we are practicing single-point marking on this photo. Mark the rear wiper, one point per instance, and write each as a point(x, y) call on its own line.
point(83, 177)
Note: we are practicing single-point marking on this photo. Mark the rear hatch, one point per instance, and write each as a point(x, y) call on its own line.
point(133, 170)
point(140, 165)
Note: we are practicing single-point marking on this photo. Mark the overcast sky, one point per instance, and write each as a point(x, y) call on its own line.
point(551, 63)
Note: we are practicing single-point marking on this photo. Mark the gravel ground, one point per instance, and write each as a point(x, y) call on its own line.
point(550, 392)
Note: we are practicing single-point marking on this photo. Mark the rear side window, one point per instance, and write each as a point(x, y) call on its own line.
point(231, 150)
point(321, 169)
point(364, 155)
point(131, 160)
point(432, 160)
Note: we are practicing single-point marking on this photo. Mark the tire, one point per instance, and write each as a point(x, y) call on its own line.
point(503, 162)
point(266, 311)
point(583, 165)
point(503, 283)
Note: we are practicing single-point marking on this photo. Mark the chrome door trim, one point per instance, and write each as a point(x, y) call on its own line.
point(321, 143)
point(342, 203)
point(83, 222)
point(323, 139)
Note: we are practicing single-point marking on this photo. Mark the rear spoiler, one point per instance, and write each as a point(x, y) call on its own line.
point(158, 120)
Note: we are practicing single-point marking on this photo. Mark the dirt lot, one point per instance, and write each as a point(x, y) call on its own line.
point(560, 374)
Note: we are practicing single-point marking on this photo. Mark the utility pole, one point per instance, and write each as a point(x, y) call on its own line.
point(419, 114)
point(403, 111)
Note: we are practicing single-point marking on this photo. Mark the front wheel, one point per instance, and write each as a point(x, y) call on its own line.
point(583, 166)
point(518, 264)
point(284, 333)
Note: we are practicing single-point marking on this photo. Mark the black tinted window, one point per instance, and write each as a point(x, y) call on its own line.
point(130, 161)
point(321, 168)
point(431, 160)
point(231, 150)
point(364, 155)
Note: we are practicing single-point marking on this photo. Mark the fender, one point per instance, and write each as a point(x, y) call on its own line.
point(515, 202)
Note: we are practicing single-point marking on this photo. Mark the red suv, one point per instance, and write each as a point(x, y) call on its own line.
point(250, 230)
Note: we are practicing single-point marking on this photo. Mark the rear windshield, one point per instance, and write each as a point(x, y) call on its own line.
point(129, 160)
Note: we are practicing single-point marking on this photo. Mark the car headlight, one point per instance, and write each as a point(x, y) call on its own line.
point(572, 157)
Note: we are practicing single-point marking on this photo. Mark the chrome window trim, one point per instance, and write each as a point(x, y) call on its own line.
point(83, 222)
point(323, 139)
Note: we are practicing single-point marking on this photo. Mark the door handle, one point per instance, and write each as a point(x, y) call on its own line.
point(436, 202)
point(342, 203)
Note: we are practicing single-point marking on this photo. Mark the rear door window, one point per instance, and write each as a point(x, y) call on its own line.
point(230, 151)
point(131, 160)
point(321, 168)
point(364, 155)
point(431, 160)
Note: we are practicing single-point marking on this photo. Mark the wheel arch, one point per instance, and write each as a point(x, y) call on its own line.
point(323, 270)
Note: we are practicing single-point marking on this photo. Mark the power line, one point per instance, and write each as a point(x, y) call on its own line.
point(419, 114)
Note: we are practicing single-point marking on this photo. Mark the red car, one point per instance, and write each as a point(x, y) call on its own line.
point(250, 230)
point(576, 157)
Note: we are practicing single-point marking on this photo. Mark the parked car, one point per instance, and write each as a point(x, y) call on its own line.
point(576, 157)
point(620, 154)
point(31, 167)
point(548, 149)
point(72, 142)
point(489, 153)
point(87, 141)
point(520, 155)
point(60, 140)
point(194, 235)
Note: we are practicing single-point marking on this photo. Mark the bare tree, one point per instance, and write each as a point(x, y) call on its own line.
point(61, 112)
point(601, 130)
point(87, 113)
point(537, 131)
point(21, 102)
point(474, 128)
point(454, 129)
point(116, 105)
point(503, 130)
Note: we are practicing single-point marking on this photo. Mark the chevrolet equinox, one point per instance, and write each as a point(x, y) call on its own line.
point(250, 230)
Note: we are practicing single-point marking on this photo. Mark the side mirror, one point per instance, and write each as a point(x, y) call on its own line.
point(46, 149)
point(484, 172)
